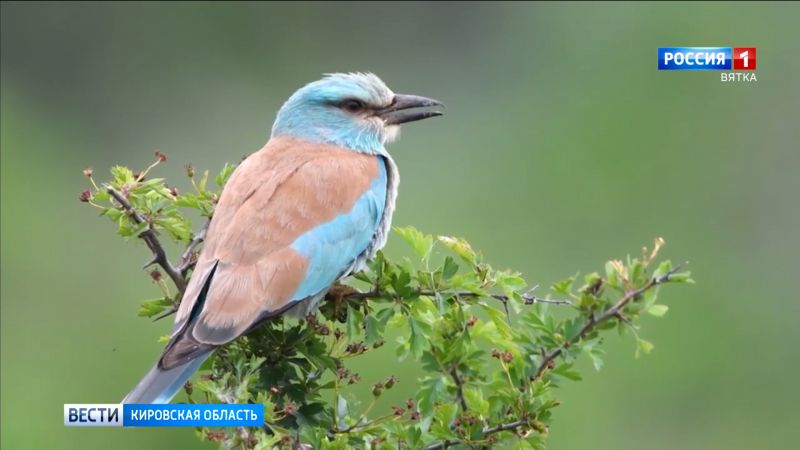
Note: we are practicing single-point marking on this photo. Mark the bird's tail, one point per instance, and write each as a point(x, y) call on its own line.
point(159, 385)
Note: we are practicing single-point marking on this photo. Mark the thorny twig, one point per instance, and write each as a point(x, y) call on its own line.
point(548, 358)
point(150, 238)
point(593, 321)
point(488, 431)
point(177, 273)
point(528, 298)
point(188, 258)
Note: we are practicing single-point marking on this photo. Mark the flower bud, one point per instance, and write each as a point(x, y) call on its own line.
point(290, 408)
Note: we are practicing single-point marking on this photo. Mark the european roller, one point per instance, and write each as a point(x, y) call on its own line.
point(307, 209)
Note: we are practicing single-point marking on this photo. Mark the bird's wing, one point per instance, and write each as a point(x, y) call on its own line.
point(292, 218)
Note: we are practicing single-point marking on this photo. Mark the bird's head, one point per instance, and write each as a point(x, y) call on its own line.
point(355, 110)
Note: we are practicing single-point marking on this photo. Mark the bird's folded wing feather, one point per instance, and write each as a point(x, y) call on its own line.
point(292, 218)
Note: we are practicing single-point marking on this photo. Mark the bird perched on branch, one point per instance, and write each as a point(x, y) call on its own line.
point(296, 216)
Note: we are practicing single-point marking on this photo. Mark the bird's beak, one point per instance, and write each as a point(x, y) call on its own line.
point(409, 108)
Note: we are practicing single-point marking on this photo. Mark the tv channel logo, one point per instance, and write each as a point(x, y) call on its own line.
point(707, 58)
point(744, 58)
point(93, 415)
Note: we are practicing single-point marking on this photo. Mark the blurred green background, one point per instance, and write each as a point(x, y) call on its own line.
point(562, 147)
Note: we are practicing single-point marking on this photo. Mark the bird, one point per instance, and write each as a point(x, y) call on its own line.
point(303, 212)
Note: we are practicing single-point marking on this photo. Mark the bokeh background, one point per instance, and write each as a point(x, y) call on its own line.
point(562, 147)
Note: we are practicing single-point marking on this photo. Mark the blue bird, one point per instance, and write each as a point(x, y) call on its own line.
point(307, 209)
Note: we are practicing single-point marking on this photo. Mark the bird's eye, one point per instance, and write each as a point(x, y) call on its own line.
point(352, 105)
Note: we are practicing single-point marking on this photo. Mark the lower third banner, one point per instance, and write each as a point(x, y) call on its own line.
point(177, 415)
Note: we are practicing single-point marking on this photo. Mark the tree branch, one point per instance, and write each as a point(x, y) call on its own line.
point(614, 311)
point(188, 258)
point(511, 426)
point(505, 427)
point(527, 297)
point(459, 388)
point(150, 238)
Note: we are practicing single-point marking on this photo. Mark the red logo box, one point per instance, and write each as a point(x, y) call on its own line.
point(744, 58)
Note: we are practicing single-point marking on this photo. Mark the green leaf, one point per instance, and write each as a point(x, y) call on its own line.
point(429, 392)
point(421, 243)
point(474, 398)
point(643, 346)
point(133, 229)
point(460, 247)
point(122, 175)
point(658, 310)
point(636, 270)
point(224, 174)
point(188, 200)
point(177, 228)
point(112, 213)
point(401, 284)
point(681, 277)
point(449, 269)
point(101, 196)
point(154, 307)
point(500, 320)
point(662, 269)
point(384, 315)
point(373, 329)
point(612, 276)
point(509, 281)
point(565, 370)
point(572, 327)
point(201, 185)
point(591, 348)
point(396, 321)
point(152, 185)
point(564, 287)
point(418, 340)
point(445, 415)
point(355, 319)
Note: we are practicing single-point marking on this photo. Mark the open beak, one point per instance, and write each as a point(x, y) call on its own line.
point(409, 108)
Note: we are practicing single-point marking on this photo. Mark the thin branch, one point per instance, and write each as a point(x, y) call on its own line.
point(459, 388)
point(443, 444)
point(511, 426)
point(505, 427)
point(150, 238)
point(614, 311)
point(527, 297)
point(187, 262)
point(188, 258)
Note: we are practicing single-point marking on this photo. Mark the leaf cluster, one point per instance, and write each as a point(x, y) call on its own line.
point(492, 354)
